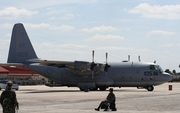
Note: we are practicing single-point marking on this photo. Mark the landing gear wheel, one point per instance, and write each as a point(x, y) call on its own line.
point(81, 89)
point(150, 88)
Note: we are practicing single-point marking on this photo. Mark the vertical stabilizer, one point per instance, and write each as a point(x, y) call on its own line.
point(21, 48)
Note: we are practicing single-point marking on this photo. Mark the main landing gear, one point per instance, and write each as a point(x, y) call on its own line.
point(93, 89)
point(150, 88)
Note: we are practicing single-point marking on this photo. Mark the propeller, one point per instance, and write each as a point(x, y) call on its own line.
point(106, 65)
point(139, 58)
point(93, 64)
point(128, 57)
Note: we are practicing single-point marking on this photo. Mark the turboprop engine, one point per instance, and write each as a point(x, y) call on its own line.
point(81, 65)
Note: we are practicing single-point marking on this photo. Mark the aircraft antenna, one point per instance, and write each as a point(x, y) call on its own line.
point(154, 61)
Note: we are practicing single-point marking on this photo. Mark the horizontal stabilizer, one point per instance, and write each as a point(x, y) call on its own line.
point(12, 65)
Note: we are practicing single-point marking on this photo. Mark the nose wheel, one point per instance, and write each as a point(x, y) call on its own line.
point(150, 88)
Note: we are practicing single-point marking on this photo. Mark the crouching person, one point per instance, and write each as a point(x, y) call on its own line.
point(109, 102)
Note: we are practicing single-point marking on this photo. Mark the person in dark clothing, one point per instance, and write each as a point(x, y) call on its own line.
point(110, 101)
point(8, 99)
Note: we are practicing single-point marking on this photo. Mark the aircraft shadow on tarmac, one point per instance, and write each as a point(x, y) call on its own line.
point(131, 90)
point(53, 91)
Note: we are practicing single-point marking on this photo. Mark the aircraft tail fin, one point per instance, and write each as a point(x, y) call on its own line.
point(21, 48)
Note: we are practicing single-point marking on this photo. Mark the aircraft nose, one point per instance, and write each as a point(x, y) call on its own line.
point(167, 77)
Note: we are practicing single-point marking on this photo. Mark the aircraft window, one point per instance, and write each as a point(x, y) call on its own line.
point(159, 68)
point(152, 67)
point(156, 67)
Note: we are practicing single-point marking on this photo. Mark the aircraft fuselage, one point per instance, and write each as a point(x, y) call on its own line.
point(123, 74)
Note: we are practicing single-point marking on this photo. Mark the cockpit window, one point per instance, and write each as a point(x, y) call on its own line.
point(159, 68)
point(156, 67)
point(152, 67)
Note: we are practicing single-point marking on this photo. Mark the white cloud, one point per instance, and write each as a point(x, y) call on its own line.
point(59, 14)
point(48, 3)
point(167, 45)
point(13, 13)
point(6, 26)
point(53, 27)
point(99, 29)
point(113, 48)
point(67, 16)
point(157, 11)
point(99, 37)
point(65, 46)
point(61, 51)
point(52, 11)
point(178, 44)
point(160, 33)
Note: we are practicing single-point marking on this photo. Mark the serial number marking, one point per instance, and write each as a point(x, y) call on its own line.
point(22, 54)
point(22, 45)
point(150, 73)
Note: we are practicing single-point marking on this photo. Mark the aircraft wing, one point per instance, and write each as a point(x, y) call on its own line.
point(82, 66)
point(68, 64)
point(52, 62)
point(58, 63)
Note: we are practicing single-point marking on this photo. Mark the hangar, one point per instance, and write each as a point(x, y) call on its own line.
point(3, 73)
point(21, 75)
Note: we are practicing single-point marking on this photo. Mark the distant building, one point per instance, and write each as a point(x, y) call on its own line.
point(21, 75)
point(175, 76)
point(3, 73)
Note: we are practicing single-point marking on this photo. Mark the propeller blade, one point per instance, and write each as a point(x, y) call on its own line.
point(128, 57)
point(92, 74)
point(106, 65)
point(106, 74)
point(139, 58)
point(106, 57)
point(93, 64)
point(93, 56)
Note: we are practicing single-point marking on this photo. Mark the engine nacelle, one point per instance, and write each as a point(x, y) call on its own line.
point(81, 65)
point(99, 68)
point(86, 66)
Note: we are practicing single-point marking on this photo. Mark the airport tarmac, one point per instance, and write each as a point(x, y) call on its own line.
point(43, 99)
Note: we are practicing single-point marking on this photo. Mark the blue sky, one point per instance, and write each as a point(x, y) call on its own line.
point(70, 29)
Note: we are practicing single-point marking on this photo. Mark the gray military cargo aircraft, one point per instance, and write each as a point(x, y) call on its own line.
point(84, 74)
